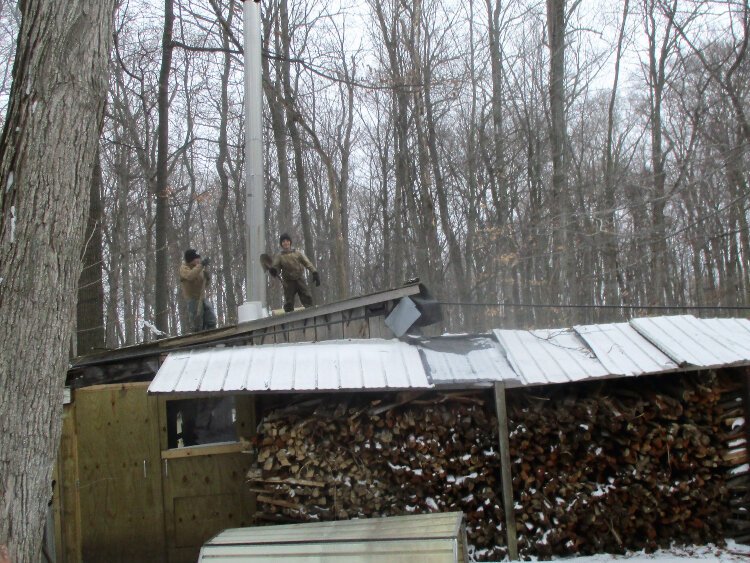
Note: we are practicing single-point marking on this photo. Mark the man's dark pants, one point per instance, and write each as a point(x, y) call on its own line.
point(201, 315)
point(293, 287)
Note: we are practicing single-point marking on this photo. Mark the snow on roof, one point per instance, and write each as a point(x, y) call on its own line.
point(549, 356)
point(330, 365)
point(462, 360)
point(513, 357)
point(699, 342)
point(623, 351)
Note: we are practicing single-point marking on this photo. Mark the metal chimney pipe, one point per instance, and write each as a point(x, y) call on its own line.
point(254, 307)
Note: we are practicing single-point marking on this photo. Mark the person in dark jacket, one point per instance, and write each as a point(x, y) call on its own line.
point(194, 279)
point(291, 264)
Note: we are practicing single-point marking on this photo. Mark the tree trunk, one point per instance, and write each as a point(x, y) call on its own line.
point(339, 258)
point(275, 99)
point(286, 220)
point(345, 147)
point(608, 230)
point(90, 310)
point(333, 181)
point(161, 224)
point(221, 162)
point(47, 153)
point(116, 251)
point(299, 159)
point(428, 236)
point(399, 234)
point(657, 59)
point(563, 274)
point(299, 170)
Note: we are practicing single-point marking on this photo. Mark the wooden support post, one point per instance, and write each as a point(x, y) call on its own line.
point(507, 480)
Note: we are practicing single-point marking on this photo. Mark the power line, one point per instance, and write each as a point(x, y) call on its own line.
point(592, 306)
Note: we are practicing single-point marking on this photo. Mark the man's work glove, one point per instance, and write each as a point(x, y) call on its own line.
point(316, 278)
point(273, 271)
point(205, 262)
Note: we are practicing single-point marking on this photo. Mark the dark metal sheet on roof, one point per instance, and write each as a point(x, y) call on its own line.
point(453, 360)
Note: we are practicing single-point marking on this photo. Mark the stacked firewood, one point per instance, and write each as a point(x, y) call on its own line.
point(596, 467)
point(734, 412)
point(328, 459)
point(623, 466)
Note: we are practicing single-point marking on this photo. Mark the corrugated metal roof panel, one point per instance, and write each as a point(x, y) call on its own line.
point(549, 356)
point(331, 365)
point(436, 525)
point(466, 360)
point(734, 333)
point(623, 351)
point(433, 538)
point(517, 358)
point(698, 342)
point(190, 379)
point(441, 550)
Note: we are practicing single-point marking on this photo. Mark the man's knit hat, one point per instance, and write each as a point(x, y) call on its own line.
point(191, 254)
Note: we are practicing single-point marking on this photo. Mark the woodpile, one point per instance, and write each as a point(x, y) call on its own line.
point(623, 465)
point(735, 454)
point(626, 464)
point(336, 459)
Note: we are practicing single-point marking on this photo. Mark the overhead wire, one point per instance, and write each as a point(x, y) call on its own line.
point(594, 306)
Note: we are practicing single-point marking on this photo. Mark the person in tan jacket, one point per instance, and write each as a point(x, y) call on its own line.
point(291, 264)
point(194, 279)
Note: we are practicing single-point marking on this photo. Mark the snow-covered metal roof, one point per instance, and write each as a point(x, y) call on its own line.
point(698, 342)
point(462, 360)
point(549, 356)
point(331, 365)
point(513, 357)
point(623, 351)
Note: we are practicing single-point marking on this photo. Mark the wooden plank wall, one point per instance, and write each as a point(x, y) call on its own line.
point(203, 495)
point(110, 463)
point(119, 470)
point(204, 488)
point(66, 507)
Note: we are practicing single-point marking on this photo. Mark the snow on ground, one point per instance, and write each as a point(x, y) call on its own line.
point(731, 553)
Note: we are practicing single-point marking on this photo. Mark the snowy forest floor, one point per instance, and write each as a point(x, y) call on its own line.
point(732, 552)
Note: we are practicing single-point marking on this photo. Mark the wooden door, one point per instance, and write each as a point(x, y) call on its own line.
point(120, 495)
point(205, 490)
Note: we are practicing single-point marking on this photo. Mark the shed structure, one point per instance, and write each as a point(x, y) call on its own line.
point(131, 466)
point(151, 477)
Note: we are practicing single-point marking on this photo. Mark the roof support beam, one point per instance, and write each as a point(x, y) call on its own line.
point(507, 479)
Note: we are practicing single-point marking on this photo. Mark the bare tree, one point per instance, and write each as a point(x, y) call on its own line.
point(162, 220)
point(607, 231)
point(10, 21)
point(90, 310)
point(661, 45)
point(47, 152)
point(277, 29)
point(488, 163)
point(221, 169)
point(563, 263)
point(388, 25)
